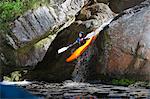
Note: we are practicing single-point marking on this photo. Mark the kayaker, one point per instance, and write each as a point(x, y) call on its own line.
point(81, 40)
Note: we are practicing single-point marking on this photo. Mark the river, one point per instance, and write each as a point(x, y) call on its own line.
point(74, 90)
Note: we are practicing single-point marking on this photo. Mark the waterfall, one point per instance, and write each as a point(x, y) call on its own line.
point(84, 64)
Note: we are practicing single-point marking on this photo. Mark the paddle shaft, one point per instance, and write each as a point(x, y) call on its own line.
point(65, 48)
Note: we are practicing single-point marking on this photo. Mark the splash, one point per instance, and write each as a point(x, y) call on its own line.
point(15, 83)
point(81, 71)
point(74, 85)
point(84, 67)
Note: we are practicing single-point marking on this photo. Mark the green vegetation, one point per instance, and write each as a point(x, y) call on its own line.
point(11, 9)
point(14, 76)
point(123, 82)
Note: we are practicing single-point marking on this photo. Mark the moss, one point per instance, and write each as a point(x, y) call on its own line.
point(29, 45)
point(104, 44)
point(43, 42)
point(107, 39)
point(123, 82)
point(11, 9)
point(55, 30)
point(15, 76)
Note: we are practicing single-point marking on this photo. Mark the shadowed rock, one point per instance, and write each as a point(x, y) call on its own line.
point(125, 45)
point(32, 33)
point(119, 6)
point(55, 65)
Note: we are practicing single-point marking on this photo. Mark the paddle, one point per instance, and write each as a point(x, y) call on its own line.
point(65, 48)
point(96, 32)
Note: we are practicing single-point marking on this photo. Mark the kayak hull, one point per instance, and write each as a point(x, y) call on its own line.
point(80, 50)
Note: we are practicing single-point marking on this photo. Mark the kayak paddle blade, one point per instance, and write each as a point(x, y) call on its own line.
point(62, 50)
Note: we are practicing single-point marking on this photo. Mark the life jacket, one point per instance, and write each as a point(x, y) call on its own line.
point(81, 40)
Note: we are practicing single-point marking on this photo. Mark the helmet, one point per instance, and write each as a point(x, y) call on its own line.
point(80, 32)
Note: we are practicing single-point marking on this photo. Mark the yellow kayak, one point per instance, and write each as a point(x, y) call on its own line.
point(80, 50)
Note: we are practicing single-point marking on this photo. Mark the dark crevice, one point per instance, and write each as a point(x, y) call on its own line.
point(31, 26)
point(38, 22)
point(22, 24)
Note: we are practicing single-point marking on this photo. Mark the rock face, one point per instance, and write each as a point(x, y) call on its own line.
point(31, 34)
point(121, 5)
point(126, 44)
point(123, 46)
point(54, 64)
point(118, 6)
point(95, 15)
point(85, 65)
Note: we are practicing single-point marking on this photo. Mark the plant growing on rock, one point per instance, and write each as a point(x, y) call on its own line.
point(14, 76)
point(11, 9)
point(124, 82)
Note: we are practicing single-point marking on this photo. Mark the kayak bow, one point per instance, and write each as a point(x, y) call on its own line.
point(80, 50)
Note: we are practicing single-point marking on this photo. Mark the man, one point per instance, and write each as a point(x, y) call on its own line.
point(81, 39)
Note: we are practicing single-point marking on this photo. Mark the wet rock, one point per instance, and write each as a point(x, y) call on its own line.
point(54, 62)
point(103, 1)
point(83, 90)
point(94, 15)
point(125, 45)
point(121, 5)
point(141, 85)
point(84, 69)
point(32, 33)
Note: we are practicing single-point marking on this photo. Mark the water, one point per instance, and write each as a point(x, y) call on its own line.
point(84, 64)
point(74, 90)
point(78, 89)
point(15, 83)
point(84, 67)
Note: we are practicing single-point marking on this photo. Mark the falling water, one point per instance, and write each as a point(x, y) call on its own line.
point(82, 67)
point(84, 63)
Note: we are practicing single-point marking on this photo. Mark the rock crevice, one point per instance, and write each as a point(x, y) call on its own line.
point(29, 29)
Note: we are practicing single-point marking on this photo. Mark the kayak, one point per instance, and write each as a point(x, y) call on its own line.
point(80, 50)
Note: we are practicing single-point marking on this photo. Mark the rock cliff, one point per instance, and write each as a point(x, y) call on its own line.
point(122, 48)
point(125, 44)
point(31, 34)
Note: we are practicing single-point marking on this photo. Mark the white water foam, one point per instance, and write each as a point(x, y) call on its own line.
point(75, 84)
point(15, 83)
